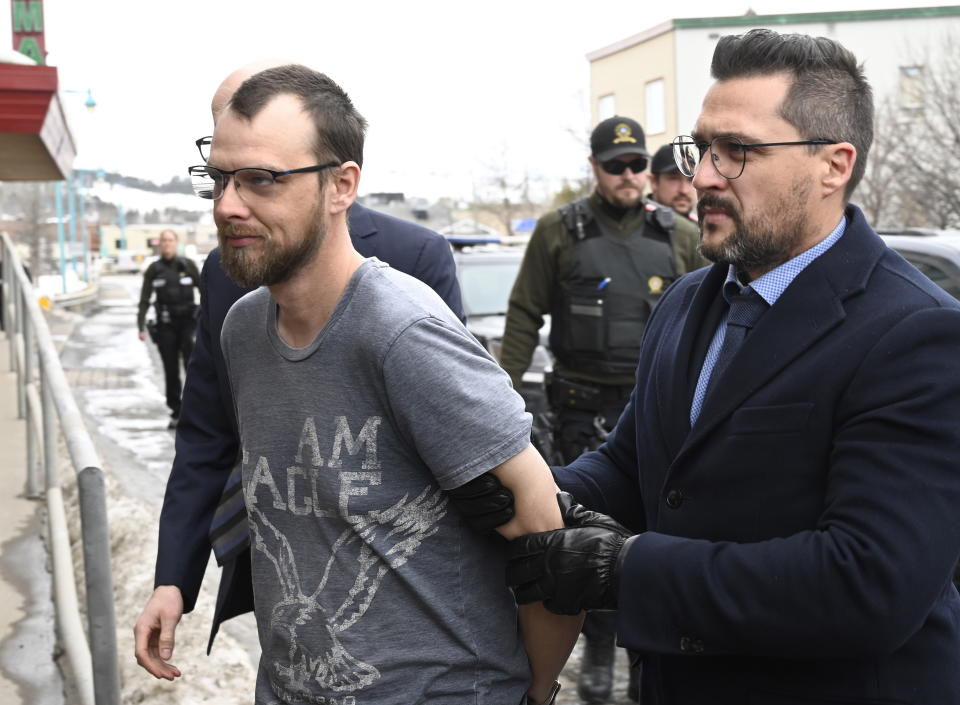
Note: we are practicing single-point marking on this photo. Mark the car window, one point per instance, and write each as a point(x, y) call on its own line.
point(940, 273)
point(486, 285)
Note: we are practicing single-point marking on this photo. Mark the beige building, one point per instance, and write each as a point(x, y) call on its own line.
point(659, 76)
point(144, 238)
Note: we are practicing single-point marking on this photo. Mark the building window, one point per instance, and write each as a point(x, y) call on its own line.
point(656, 109)
point(606, 107)
point(912, 89)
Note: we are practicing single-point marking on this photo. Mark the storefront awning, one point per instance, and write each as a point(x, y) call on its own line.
point(35, 141)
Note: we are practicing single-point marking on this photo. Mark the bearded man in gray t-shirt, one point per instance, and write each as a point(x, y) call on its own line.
point(362, 404)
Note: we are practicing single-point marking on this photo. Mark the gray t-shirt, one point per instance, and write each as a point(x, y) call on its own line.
point(369, 587)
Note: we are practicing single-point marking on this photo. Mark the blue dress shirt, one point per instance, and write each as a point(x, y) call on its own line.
point(769, 286)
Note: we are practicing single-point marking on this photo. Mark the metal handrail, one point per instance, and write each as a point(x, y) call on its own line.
point(92, 655)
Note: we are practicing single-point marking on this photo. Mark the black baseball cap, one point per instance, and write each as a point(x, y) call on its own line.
point(663, 160)
point(617, 136)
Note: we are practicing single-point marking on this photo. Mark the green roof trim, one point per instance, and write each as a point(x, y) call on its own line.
point(906, 13)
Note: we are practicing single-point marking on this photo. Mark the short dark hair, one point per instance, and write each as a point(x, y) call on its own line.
point(339, 127)
point(829, 97)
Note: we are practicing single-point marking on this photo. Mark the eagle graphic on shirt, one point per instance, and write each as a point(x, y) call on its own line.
point(309, 621)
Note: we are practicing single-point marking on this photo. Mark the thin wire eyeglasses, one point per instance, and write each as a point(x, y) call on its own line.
point(252, 183)
point(728, 154)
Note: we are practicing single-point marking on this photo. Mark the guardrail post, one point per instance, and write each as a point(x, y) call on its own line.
point(91, 653)
point(99, 580)
point(6, 275)
point(51, 473)
point(30, 392)
point(18, 350)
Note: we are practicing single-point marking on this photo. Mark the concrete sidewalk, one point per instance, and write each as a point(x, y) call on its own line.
point(28, 673)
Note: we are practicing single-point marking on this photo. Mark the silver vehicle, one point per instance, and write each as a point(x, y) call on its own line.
point(936, 253)
point(486, 275)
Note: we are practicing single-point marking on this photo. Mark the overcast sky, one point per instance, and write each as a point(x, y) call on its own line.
point(454, 91)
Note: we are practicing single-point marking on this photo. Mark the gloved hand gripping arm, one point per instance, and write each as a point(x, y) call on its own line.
point(571, 569)
point(517, 498)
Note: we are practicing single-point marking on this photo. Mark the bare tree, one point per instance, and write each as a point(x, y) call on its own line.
point(505, 193)
point(878, 194)
point(930, 122)
point(570, 192)
point(30, 203)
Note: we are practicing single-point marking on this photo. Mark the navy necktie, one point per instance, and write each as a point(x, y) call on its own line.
point(745, 310)
point(229, 534)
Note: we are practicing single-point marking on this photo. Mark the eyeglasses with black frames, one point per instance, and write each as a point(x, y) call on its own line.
point(252, 184)
point(728, 154)
point(203, 145)
point(617, 167)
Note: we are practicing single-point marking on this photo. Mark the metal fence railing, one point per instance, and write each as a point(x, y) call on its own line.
point(91, 653)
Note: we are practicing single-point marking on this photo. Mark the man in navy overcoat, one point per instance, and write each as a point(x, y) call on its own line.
point(789, 463)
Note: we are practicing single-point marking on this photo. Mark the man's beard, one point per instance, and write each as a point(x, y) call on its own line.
point(274, 263)
point(760, 243)
point(619, 197)
point(682, 206)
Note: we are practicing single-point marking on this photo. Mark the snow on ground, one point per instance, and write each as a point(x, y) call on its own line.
point(118, 387)
point(146, 201)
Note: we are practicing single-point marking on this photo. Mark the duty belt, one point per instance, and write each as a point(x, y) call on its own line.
point(587, 396)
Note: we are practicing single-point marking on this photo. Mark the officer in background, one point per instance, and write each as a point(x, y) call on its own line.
point(597, 266)
point(171, 281)
point(671, 188)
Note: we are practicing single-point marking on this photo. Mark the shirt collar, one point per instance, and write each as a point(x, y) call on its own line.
point(772, 284)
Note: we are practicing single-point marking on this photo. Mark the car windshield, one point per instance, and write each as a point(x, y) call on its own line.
point(486, 286)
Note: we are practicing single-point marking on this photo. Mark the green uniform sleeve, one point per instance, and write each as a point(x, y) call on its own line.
point(145, 292)
point(531, 298)
point(686, 238)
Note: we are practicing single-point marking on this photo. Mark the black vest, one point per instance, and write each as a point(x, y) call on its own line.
point(606, 298)
point(173, 286)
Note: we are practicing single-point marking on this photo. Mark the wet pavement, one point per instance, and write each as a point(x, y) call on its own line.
point(117, 380)
point(28, 649)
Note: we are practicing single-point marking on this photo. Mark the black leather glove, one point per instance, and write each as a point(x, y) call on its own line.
point(484, 502)
point(571, 569)
point(576, 515)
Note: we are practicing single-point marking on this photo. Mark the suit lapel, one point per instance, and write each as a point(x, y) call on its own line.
point(810, 307)
point(804, 313)
point(679, 350)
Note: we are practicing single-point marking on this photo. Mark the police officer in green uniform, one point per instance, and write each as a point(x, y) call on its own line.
point(597, 266)
point(170, 281)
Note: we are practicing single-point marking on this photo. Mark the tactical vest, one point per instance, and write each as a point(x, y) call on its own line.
point(173, 287)
point(606, 298)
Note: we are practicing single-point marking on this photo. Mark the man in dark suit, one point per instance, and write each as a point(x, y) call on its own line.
point(788, 462)
point(201, 492)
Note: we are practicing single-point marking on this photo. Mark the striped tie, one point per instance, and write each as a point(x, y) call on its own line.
point(229, 534)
